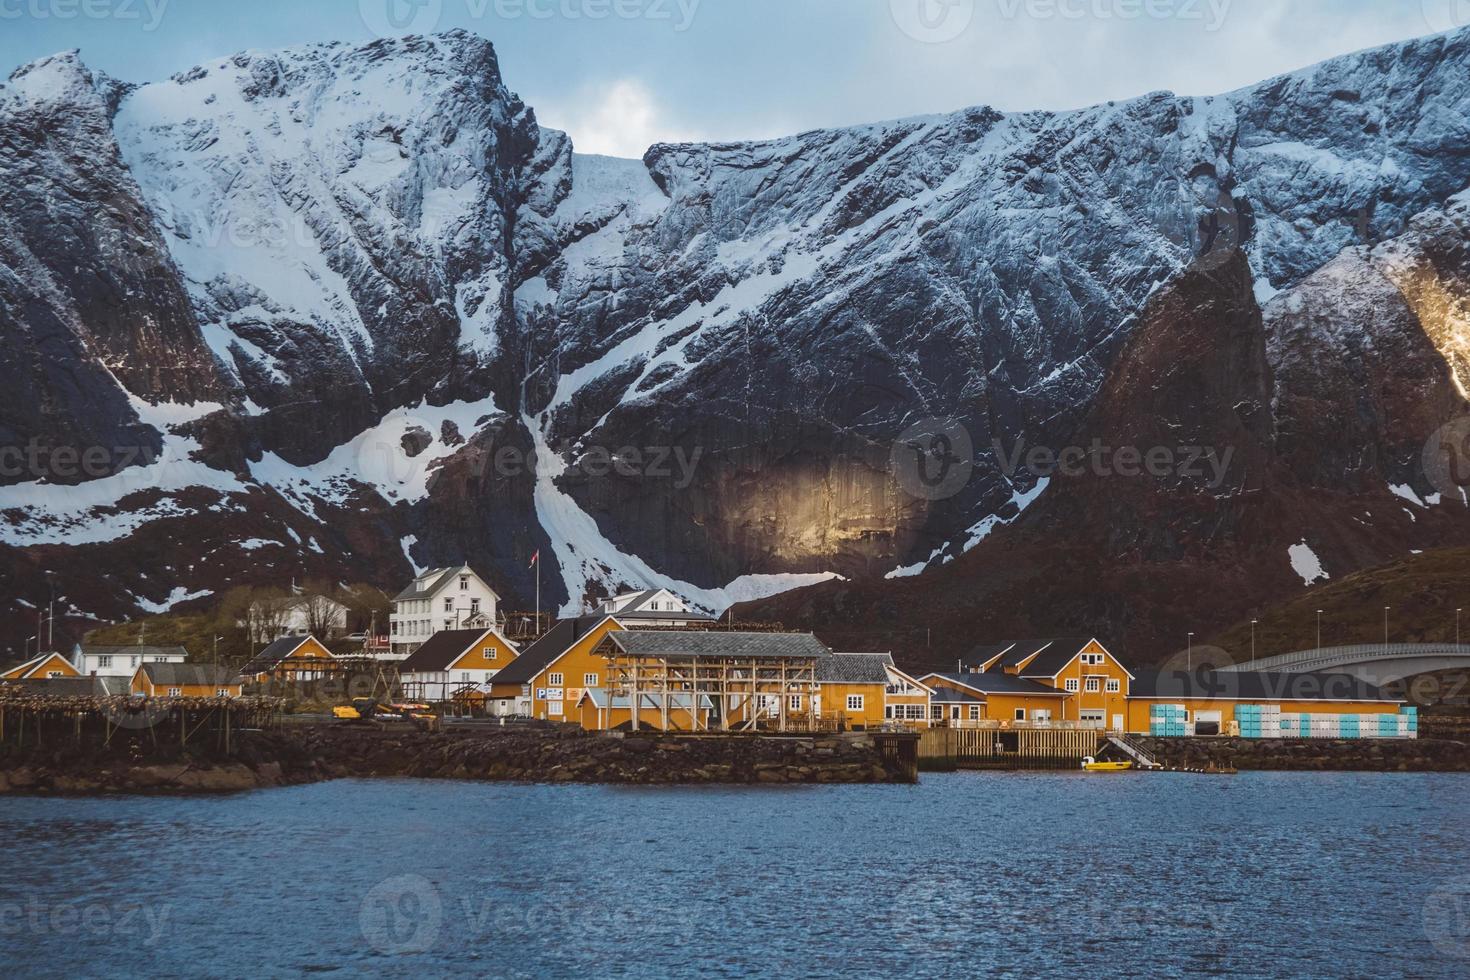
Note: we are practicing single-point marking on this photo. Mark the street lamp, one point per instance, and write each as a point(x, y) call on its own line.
point(1457, 627)
point(1189, 655)
point(1385, 628)
point(28, 645)
point(1253, 640)
point(1319, 631)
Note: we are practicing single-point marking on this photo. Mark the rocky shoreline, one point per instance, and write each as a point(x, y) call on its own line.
point(1311, 755)
point(310, 754)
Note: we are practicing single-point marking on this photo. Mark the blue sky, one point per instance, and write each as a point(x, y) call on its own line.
point(620, 74)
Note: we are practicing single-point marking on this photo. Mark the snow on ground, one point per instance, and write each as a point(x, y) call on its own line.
point(585, 556)
point(376, 457)
point(407, 543)
point(178, 595)
point(43, 513)
point(1407, 492)
point(1305, 563)
point(980, 531)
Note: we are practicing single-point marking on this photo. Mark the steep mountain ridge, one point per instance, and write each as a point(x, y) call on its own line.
point(412, 324)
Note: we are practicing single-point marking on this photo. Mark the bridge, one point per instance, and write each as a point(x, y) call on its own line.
point(1376, 663)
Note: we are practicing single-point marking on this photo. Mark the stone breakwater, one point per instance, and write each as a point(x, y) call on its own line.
point(1368, 755)
point(315, 753)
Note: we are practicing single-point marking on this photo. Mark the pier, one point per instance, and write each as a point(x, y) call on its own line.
point(947, 749)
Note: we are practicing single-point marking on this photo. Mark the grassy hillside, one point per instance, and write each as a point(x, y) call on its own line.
point(1422, 590)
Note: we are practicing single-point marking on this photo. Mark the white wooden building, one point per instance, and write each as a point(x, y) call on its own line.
point(439, 599)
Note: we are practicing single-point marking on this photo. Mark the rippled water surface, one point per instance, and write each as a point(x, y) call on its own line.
point(1058, 873)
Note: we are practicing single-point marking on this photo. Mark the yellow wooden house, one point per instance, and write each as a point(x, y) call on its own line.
point(174, 680)
point(547, 679)
point(456, 665)
point(47, 665)
point(291, 658)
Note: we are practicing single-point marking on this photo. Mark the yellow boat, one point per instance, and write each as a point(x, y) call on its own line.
point(1092, 765)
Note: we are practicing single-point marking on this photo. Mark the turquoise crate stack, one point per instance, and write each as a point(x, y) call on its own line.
point(1166, 719)
point(1259, 720)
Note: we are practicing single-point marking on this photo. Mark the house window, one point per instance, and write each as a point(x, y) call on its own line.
point(589, 680)
point(936, 712)
point(174, 692)
point(489, 653)
point(53, 673)
point(132, 661)
point(793, 702)
point(854, 702)
point(474, 606)
point(1072, 685)
point(1093, 684)
point(449, 624)
point(222, 692)
point(464, 583)
point(104, 661)
point(464, 676)
point(554, 680)
point(554, 709)
point(974, 712)
point(1114, 685)
point(1020, 714)
point(449, 603)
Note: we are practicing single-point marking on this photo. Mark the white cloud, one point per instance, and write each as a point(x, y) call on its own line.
point(622, 120)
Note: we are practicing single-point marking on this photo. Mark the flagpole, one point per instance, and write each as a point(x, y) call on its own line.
point(538, 590)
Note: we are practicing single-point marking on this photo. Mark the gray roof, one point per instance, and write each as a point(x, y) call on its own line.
point(441, 650)
point(63, 687)
point(182, 674)
point(437, 578)
point(635, 610)
point(1052, 654)
point(1267, 687)
point(854, 668)
point(434, 576)
point(695, 644)
point(677, 701)
point(948, 695)
point(999, 682)
point(271, 656)
point(551, 644)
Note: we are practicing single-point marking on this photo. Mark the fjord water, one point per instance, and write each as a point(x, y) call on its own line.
point(1058, 873)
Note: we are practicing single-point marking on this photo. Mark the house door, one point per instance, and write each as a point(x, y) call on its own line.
point(1117, 723)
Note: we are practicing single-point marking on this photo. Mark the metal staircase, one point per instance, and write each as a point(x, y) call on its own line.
point(1131, 749)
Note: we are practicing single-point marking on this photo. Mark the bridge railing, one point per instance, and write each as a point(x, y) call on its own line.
point(1353, 653)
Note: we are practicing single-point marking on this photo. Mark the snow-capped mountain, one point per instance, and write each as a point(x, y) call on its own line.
point(352, 308)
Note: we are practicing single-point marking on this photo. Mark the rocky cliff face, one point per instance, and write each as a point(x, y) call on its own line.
point(356, 299)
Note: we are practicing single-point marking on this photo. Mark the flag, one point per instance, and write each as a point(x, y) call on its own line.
point(535, 557)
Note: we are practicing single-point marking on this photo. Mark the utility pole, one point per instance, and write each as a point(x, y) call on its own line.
point(1189, 655)
point(1457, 627)
point(1385, 628)
point(1319, 631)
point(1253, 641)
